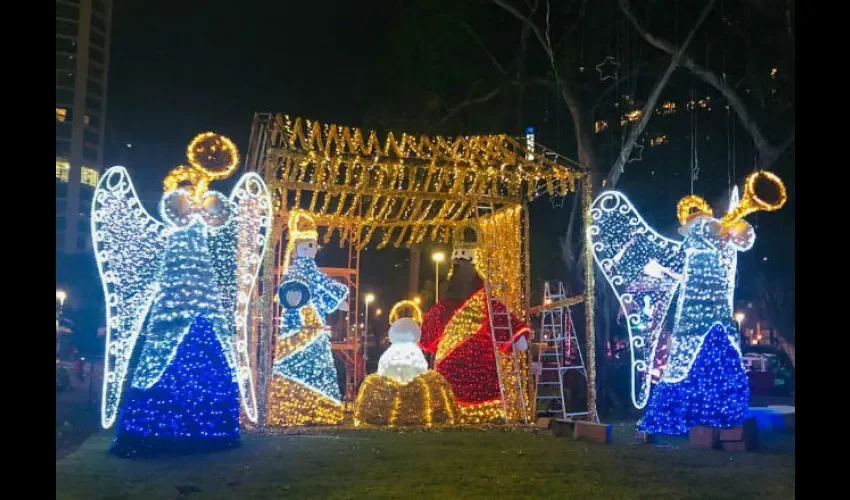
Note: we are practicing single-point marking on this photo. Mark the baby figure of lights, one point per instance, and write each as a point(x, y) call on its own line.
point(404, 360)
point(304, 388)
point(404, 391)
point(703, 382)
point(185, 282)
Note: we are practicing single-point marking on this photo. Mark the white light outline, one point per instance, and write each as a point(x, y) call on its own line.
point(635, 341)
point(240, 344)
point(250, 186)
point(113, 389)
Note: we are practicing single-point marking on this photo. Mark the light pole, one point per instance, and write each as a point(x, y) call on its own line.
point(739, 318)
point(370, 297)
point(61, 295)
point(437, 257)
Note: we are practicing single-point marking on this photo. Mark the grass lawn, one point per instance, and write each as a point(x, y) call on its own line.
point(444, 464)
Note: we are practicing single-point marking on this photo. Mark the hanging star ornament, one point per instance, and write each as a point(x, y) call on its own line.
point(636, 153)
point(609, 68)
point(557, 201)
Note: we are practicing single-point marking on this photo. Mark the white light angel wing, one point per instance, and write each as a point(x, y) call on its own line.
point(644, 269)
point(128, 244)
point(238, 250)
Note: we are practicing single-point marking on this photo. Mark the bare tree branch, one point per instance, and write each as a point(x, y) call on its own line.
point(469, 102)
point(613, 86)
point(767, 152)
point(649, 107)
point(582, 122)
point(778, 308)
point(483, 47)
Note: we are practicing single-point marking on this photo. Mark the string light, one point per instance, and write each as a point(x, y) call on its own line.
point(412, 187)
point(424, 401)
point(412, 305)
point(644, 269)
point(715, 392)
point(702, 384)
point(194, 407)
point(403, 361)
point(128, 245)
point(203, 261)
point(404, 391)
point(214, 154)
point(304, 388)
point(465, 357)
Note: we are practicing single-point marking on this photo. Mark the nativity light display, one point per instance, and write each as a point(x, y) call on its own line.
point(184, 286)
point(404, 391)
point(304, 388)
point(457, 329)
point(703, 382)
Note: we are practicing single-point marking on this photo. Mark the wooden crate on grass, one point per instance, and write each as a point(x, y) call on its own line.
point(593, 432)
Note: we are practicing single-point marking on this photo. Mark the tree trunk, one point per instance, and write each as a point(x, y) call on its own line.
point(788, 347)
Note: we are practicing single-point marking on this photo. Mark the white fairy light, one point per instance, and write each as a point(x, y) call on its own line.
point(645, 269)
point(403, 361)
point(216, 251)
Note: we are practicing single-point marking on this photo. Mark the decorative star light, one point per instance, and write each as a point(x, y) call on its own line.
point(608, 68)
point(636, 153)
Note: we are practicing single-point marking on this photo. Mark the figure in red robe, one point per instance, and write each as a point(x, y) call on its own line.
point(457, 330)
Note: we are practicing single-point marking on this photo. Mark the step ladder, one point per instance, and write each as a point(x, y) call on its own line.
point(499, 312)
point(558, 354)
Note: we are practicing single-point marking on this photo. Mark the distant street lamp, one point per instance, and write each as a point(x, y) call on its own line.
point(370, 297)
point(377, 312)
point(61, 295)
point(739, 318)
point(437, 257)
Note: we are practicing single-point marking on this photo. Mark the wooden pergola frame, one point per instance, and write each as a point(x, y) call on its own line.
point(399, 191)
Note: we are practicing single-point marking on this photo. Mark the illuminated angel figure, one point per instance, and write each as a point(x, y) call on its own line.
point(185, 285)
point(704, 382)
point(304, 388)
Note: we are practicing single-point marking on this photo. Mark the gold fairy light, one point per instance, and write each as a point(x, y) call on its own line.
point(211, 157)
point(751, 202)
point(690, 207)
point(406, 188)
point(406, 304)
point(214, 154)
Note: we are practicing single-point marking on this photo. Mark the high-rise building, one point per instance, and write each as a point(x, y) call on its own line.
point(82, 62)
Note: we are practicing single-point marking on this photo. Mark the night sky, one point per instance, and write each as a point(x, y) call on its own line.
point(182, 67)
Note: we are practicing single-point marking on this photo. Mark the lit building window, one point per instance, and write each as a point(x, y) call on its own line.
point(88, 176)
point(86, 119)
point(655, 141)
point(668, 108)
point(600, 125)
point(61, 114)
point(63, 170)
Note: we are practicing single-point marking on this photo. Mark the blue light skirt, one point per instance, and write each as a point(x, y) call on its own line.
point(715, 393)
point(193, 407)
